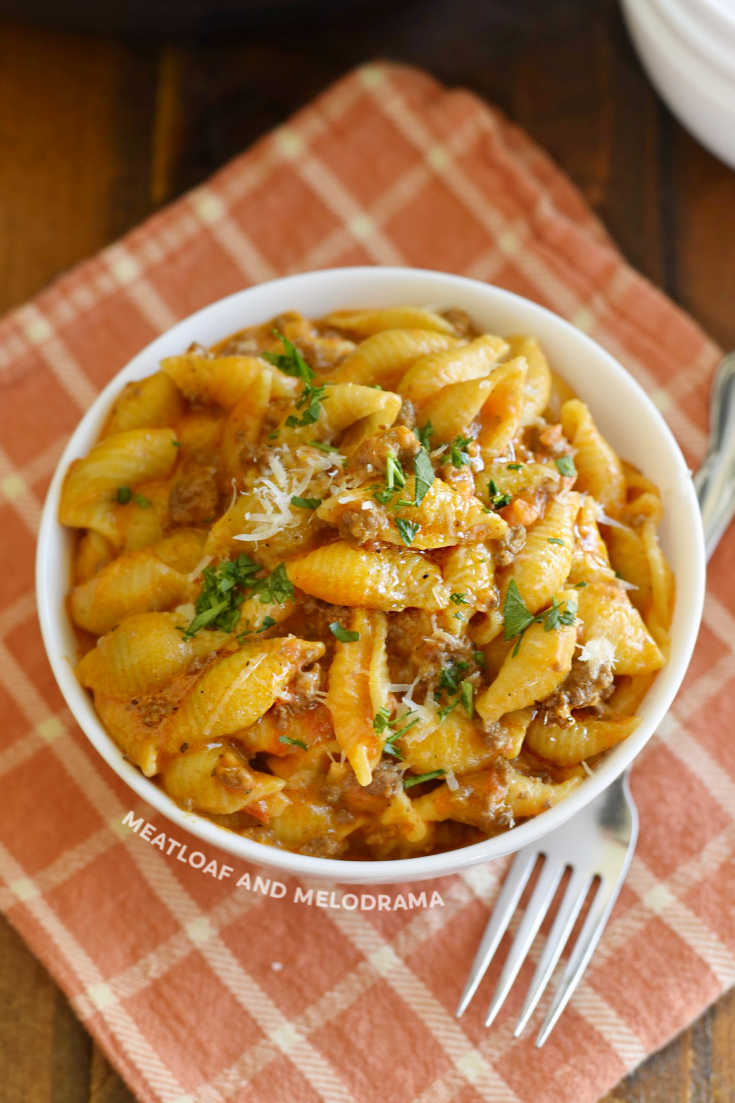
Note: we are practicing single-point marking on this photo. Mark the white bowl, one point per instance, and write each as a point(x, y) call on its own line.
point(688, 50)
point(625, 415)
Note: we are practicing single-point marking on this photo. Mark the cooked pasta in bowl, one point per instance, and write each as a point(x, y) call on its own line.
point(358, 573)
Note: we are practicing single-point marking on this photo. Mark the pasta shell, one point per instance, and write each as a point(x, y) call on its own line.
point(153, 402)
point(383, 358)
point(358, 689)
point(366, 322)
point(236, 690)
point(389, 579)
point(430, 373)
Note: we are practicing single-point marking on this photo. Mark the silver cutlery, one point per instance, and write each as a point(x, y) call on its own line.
point(596, 845)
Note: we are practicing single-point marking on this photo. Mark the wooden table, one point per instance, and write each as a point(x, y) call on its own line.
point(96, 132)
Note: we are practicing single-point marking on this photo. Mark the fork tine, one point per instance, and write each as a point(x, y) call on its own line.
point(514, 884)
point(569, 909)
point(536, 909)
point(589, 936)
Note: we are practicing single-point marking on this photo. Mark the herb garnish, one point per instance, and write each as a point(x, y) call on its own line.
point(344, 635)
point(382, 723)
point(449, 678)
point(425, 433)
point(458, 599)
point(424, 472)
point(513, 466)
point(517, 618)
point(142, 502)
point(565, 465)
point(497, 500)
point(322, 446)
point(293, 742)
point(457, 455)
point(225, 586)
point(411, 780)
point(579, 585)
point(467, 696)
point(305, 503)
point(123, 495)
point(268, 622)
point(407, 529)
point(292, 363)
point(394, 476)
point(555, 540)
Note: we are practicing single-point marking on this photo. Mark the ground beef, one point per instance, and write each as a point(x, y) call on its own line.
point(510, 545)
point(578, 690)
point(368, 459)
point(194, 496)
point(153, 708)
point(417, 649)
point(361, 521)
point(460, 320)
point(303, 694)
point(387, 782)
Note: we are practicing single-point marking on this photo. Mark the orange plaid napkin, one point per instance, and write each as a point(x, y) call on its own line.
point(202, 991)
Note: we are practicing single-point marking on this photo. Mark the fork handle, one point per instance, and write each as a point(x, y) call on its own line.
point(714, 482)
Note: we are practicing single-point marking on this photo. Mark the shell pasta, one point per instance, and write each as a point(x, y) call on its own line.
point(367, 586)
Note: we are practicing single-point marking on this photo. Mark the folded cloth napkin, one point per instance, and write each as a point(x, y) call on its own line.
point(198, 988)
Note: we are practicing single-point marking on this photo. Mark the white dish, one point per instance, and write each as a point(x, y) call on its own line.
point(624, 414)
point(688, 50)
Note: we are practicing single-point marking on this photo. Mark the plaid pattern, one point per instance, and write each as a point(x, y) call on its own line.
point(196, 989)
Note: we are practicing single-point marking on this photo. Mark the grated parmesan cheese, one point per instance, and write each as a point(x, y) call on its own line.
point(277, 486)
point(605, 520)
point(597, 652)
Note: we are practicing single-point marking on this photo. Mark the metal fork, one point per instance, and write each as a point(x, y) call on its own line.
point(596, 844)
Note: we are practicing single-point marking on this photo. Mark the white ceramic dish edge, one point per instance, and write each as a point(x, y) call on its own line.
point(631, 421)
point(701, 96)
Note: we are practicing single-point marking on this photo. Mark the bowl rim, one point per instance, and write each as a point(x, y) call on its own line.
point(384, 283)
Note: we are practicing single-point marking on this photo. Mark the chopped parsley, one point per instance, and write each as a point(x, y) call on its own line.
point(268, 622)
point(579, 585)
point(310, 403)
point(450, 675)
point(394, 476)
point(417, 779)
point(123, 495)
point(565, 465)
point(425, 433)
point(344, 635)
point(223, 592)
point(382, 723)
point(497, 500)
point(292, 363)
point(322, 446)
point(458, 599)
point(407, 529)
point(513, 466)
point(479, 657)
point(176, 443)
point(467, 696)
point(517, 618)
point(276, 588)
point(142, 502)
point(424, 475)
point(225, 587)
point(305, 503)
point(383, 495)
point(555, 540)
point(457, 454)
point(293, 742)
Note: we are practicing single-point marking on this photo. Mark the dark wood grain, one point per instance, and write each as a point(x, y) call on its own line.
point(96, 132)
